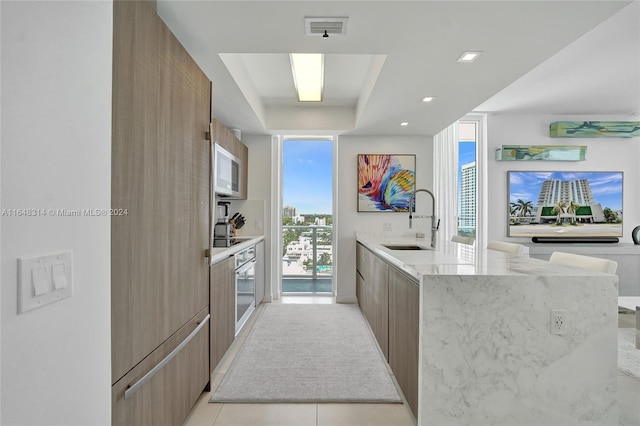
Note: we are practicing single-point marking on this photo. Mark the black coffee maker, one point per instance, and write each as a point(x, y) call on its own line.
point(223, 230)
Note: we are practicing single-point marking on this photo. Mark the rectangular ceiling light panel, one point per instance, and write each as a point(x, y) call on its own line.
point(308, 75)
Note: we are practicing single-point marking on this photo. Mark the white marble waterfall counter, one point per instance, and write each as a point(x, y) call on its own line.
point(487, 354)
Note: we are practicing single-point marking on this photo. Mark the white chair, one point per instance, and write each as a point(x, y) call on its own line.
point(512, 248)
point(464, 240)
point(594, 264)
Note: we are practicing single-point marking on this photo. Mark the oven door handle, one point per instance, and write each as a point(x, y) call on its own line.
point(242, 269)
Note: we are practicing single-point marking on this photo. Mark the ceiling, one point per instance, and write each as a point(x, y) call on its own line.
point(557, 57)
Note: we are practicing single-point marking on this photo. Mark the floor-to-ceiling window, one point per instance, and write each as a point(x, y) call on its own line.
point(307, 221)
point(467, 178)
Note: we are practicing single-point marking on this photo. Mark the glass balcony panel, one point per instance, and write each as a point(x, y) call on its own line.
point(307, 259)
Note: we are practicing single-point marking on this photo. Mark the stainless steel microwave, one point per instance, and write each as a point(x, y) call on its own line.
point(226, 173)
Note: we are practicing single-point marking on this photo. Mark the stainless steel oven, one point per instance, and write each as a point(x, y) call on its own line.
point(245, 285)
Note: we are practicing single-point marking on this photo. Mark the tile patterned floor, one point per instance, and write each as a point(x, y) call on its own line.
point(206, 414)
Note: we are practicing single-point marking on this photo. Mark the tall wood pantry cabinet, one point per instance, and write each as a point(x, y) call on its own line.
point(160, 175)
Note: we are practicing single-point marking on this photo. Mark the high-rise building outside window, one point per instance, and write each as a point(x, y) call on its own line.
point(467, 188)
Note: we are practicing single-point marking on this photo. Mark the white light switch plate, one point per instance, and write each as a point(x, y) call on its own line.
point(43, 280)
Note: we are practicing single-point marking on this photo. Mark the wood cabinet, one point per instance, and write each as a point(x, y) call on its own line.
point(404, 335)
point(377, 285)
point(222, 305)
point(169, 395)
point(160, 175)
point(226, 139)
point(374, 300)
point(390, 302)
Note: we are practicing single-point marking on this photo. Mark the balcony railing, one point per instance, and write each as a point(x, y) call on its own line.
point(307, 258)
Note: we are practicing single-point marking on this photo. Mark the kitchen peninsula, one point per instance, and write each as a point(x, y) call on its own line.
point(488, 352)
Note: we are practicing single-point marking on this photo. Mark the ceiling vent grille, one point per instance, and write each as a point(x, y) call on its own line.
point(316, 26)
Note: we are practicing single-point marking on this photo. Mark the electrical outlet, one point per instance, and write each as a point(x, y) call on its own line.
point(386, 226)
point(559, 322)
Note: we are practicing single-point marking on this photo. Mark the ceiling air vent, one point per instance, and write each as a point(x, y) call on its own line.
point(316, 26)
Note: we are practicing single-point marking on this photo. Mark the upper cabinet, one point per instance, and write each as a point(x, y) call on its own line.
point(223, 137)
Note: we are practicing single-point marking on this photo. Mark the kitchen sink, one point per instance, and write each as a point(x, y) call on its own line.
point(404, 247)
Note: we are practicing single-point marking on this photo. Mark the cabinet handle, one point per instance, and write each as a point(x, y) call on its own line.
point(137, 385)
point(212, 200)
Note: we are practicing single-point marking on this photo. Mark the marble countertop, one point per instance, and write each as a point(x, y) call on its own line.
point(221, 253)
point(451, 258)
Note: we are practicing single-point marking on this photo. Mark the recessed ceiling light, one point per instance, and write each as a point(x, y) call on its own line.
point(308, 75)
point(469, 56)
point(428, 98)
point(404, 123)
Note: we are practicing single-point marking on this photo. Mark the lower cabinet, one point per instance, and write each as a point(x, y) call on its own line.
point(223, 315)
point(404, 334)
point(173, 387)
point(222, 301)
point(390, 301)
point(372, 291)
point(377, 285)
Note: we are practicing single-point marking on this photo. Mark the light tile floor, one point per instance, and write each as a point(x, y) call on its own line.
point(206, 414)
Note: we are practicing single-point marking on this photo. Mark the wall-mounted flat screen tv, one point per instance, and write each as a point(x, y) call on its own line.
point(565, 204)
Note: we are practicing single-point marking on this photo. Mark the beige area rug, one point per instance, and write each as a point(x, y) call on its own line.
point(628, 355)
point(308, 353)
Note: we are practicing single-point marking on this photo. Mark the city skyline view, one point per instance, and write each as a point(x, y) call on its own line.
point(307, 175)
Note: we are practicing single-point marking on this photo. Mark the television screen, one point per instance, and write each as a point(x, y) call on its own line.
point(565, 204)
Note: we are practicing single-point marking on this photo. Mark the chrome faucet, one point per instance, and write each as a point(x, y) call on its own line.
point(434, 224)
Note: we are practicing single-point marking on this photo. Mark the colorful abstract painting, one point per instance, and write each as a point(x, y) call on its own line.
point(594, 129)
point(385, 182)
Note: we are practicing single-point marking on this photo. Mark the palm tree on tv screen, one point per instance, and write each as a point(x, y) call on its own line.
point(571, 209)
point(558, 209)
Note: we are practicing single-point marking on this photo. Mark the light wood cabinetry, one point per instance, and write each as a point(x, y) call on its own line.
point(157, 402)
point(160, 175)
point(226, 139)
point(390, 302)
point(377, 285)
point(222, 304)
point(404, 334)
point(374, 297)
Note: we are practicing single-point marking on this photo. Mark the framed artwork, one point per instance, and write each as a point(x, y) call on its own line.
point(385, 182)
point(541, 153)
point(594, 129)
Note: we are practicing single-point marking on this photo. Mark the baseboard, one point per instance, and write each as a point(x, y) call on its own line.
point(346, 299)
point(579, 240)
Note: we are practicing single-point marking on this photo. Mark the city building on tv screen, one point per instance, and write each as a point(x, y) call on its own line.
point(571, 204)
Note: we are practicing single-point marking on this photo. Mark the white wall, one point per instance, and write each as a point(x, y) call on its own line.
point(349, 221)
point(603, 154)
point(56, 153)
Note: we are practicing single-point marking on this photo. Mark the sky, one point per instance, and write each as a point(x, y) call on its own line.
point(606, 187)
point(307, 175)
point(466, 153)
